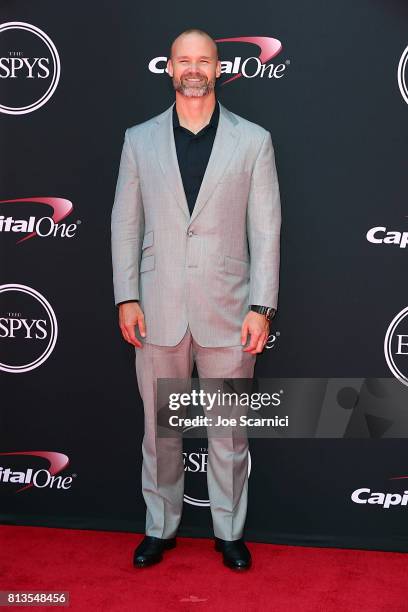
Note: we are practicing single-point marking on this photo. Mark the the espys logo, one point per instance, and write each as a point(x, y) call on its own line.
point(247, 67)
point(41, 478)
point(402, 73)
point(44, 226)
point(386, 500)
point(396, 346)
point(195, 468)
point(30, 64)
point(28, 328)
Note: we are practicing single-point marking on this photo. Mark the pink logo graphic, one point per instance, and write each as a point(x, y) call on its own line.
point(57, 461)
point(269, 48)
point(61, 209)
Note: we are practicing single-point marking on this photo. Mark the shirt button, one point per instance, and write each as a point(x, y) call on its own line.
point(190, 233)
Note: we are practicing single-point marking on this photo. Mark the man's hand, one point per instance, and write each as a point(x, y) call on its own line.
point(130, 315)
point(258, 326)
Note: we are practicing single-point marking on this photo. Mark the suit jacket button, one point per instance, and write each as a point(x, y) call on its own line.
point(190, 233)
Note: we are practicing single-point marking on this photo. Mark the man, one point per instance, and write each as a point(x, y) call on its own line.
point(195, 252)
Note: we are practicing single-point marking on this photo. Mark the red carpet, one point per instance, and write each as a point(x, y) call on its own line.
point(96, 568)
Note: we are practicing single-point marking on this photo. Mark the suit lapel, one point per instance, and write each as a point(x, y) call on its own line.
point(225, 143)
point(163, 141)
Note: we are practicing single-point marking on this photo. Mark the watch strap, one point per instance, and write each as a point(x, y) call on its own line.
point(268, 311)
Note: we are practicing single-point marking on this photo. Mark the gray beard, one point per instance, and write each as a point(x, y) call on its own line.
point(193, 92)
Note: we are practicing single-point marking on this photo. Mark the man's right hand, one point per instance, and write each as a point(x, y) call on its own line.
point(131, 315)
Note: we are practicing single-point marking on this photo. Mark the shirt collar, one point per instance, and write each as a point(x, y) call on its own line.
point(212, 123)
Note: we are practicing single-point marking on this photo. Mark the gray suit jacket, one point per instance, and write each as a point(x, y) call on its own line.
point(207, 269)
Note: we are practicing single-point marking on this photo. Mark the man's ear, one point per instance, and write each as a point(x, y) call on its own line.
point(218, 69)
point(170, 67)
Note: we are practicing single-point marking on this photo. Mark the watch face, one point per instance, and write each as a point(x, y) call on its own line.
point(270, 313)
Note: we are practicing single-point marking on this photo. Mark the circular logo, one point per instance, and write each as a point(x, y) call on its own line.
point(29, 67)
point(402, 71)
point(28, 328)
point(396, 346)
point(195, 468)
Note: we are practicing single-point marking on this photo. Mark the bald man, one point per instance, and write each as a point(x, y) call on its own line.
point(195, 252)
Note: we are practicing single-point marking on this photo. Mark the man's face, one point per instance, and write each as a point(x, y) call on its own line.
point(193, 65)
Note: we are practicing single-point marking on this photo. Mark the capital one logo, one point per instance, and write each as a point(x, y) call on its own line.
point(385, 500)
point(41, 226)
point(381, 235)
point(195, 468)
point(29, 68)
point(402, 75)
point(396, 346)
point(248, 66)
point(28, 328)
point(272, 340)
point(30, 477)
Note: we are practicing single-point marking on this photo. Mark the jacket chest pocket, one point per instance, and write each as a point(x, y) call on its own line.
point(235, 176)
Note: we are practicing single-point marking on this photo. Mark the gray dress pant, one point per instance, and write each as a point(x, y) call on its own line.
point(163, 466)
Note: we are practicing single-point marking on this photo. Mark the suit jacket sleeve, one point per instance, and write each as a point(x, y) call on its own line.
point(127, 228)
point(263, 228)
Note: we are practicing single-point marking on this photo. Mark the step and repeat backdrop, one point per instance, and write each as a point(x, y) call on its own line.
point(329, 80)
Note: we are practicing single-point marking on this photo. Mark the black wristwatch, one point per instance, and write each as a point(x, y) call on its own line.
point(268, 311)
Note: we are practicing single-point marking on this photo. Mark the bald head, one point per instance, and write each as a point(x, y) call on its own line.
point(193, 64)
point(193, 36)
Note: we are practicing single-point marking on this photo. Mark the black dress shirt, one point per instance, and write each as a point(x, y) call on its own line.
point(193, 153)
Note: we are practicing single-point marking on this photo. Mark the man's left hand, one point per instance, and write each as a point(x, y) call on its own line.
point(257, 325)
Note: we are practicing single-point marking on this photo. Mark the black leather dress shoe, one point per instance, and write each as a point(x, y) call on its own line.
point(150, 550)
point(235, 554)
